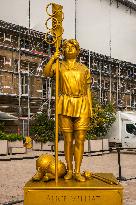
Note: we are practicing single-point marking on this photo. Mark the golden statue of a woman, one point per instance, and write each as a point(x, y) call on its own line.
point(75, 104)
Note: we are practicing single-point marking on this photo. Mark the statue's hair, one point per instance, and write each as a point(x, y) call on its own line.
point(72, 41)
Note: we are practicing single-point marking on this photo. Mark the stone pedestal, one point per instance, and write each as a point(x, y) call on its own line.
point(91, 192)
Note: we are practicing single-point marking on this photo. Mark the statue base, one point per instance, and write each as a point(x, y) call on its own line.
point(71, 192)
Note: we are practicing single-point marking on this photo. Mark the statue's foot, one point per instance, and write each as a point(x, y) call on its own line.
point(37, 177)
point(69, 175)
point(79, 177)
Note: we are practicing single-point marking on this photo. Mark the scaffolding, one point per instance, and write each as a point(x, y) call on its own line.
point(130, 4)
point(112, 80)
point(22, 57)
point(22, 51)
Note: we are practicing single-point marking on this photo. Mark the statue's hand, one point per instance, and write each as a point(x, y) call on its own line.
point(56, 55)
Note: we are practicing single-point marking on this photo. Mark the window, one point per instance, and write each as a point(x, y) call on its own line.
point(15, 65)
point(1, 62)
point(130, 128)
point(24, 43)
point(7, 61)
point(24, 84)
point(7, 37)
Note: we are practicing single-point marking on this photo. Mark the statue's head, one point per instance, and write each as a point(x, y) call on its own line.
point(70, 48)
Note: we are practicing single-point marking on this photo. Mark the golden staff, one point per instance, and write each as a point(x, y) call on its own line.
point(54, 36)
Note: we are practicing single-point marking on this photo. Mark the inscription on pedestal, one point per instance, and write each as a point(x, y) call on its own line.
point(73, 197)
point(86, 198)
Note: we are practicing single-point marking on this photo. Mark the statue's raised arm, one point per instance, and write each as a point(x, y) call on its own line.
point(49, 68)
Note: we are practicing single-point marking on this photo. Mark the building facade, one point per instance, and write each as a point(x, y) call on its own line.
point(24, 91)
point(22, 86)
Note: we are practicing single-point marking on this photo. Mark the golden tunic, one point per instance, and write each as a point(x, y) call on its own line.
point(73, 89)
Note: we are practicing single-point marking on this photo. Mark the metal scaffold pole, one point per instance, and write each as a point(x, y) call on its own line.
point(110, 81)
point(19, 81)
point(117, 96)
point(49, 98)
point(100, 82)
point(28, 118)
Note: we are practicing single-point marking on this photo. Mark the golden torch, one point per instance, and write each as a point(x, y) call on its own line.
point(54, 36)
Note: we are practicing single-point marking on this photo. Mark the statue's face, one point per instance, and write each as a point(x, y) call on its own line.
point(70, 51)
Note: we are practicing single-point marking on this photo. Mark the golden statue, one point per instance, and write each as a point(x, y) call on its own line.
point(73, 108)
point(74, 104)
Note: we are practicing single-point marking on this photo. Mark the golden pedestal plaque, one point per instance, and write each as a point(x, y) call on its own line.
point(71, 192)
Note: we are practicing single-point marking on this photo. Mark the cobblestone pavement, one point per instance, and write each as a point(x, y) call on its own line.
point(15, 173)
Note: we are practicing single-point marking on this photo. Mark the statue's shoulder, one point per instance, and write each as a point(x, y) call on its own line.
point(82, 66)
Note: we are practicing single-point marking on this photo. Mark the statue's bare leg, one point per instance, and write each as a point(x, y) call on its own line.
point(68, 149)
point(78, 153)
